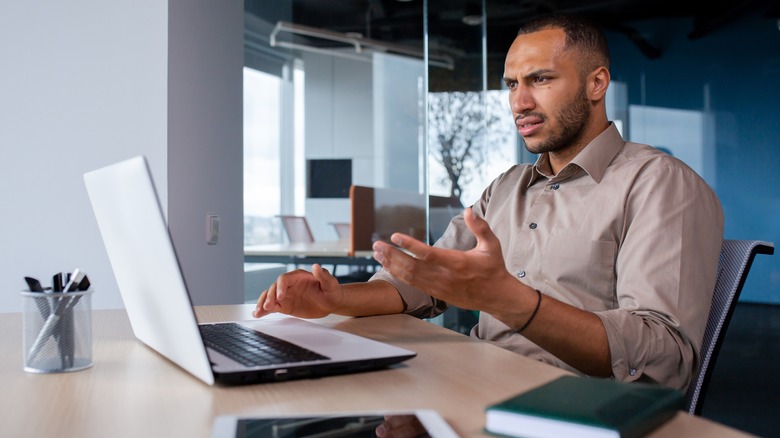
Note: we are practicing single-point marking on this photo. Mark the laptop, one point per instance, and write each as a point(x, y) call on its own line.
point(154, 291)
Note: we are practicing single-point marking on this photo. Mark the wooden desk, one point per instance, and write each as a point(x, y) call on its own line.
point(131, 391)
point(327, 253)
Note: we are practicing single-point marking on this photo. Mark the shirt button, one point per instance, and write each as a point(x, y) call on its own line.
point(532, 225)
point(521, 273)
point(632, 372)
point(555, 186)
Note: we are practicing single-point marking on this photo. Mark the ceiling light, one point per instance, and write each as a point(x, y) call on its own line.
point(472, 14)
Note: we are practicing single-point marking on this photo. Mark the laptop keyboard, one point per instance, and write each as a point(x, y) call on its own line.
point(252, 348)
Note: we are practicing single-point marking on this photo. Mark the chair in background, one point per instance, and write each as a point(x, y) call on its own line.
point(297, 228)
point(342, 229)
point(736, 257)
point(298, 231)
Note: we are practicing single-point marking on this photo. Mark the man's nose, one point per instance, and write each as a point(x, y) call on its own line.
point(521, 100)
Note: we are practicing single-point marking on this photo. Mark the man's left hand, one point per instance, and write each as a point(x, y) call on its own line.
point(466, 279)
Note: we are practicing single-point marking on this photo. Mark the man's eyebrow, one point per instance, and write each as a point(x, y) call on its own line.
point(531, 74)
point(538, 72)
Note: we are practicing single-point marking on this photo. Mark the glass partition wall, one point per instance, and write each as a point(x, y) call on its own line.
point(471, 137)
point(351, 99)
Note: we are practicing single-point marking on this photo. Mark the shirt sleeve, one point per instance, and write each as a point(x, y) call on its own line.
point(666, 271)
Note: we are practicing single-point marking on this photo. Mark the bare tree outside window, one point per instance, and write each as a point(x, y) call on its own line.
point(466, 130)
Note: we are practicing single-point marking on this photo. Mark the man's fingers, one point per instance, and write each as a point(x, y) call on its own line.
point(287, 281)
point(479, 227)
point(270, 297)
point(259, 310)
point(416, 248)
point(387, 254)
point(420, 270)
point(327, 281)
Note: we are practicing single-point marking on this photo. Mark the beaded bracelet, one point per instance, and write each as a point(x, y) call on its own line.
point(533, 315)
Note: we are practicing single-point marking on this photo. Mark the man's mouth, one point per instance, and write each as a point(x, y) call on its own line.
point(528, 125)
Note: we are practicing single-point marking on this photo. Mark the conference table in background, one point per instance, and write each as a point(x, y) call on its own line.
point(335, 252)
point(131, 391)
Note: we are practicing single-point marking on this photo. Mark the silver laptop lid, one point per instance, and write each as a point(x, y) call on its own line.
point(147, 271)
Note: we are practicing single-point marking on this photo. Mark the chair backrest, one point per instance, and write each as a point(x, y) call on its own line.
point(342, 229)
point(297, 228)
point(736, 257)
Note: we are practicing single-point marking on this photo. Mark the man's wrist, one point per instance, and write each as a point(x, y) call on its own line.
point(518, 306)
point(533, 314)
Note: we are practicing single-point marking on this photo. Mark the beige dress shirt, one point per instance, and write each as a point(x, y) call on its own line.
point(625, 231)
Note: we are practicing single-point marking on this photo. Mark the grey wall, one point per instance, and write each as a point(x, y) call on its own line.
point(81, 89)
point(205, 144)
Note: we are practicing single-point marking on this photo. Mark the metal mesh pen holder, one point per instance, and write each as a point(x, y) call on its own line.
point(57, 331)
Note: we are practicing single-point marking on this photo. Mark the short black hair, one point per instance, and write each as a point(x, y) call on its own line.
point(582, 34)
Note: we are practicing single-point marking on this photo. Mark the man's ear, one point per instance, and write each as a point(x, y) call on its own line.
point(597, 83)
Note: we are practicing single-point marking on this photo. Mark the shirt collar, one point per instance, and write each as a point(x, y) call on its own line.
point(593, 159)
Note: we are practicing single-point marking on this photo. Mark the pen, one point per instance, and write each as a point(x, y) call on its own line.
point(43, 305)
point(66, 340)
point(56, 282)
point(67, 332)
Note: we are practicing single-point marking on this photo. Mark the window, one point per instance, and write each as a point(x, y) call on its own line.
point(472, 140)
point(262, 146)
point(273, 152)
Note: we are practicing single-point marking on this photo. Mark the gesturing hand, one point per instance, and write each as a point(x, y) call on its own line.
point(468, 279)
point(300, 293)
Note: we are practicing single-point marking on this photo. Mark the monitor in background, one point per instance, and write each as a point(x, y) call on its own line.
point(328, 178)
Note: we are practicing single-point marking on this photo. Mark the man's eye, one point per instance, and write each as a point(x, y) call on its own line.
point(511, 85)
point(541, 80)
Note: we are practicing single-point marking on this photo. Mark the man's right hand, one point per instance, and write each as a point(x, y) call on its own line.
point(300, 293)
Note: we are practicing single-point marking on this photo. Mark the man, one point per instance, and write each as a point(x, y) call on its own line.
point(601, 258)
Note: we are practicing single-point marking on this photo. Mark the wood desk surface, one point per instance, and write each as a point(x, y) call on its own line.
point(131, 391)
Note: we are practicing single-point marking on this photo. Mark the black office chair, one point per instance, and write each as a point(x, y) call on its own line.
point(736, 257)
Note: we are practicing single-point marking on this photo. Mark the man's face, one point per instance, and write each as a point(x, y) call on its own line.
point(546, 93)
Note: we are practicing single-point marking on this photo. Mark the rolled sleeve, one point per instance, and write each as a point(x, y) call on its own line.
point(416, 302)
point(655, 354)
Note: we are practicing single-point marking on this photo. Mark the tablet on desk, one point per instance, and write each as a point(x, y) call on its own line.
point(416, 424)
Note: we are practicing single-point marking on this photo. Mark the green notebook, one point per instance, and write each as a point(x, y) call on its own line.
point(584, 407)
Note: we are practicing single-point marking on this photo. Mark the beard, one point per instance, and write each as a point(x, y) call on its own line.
point(573, 119)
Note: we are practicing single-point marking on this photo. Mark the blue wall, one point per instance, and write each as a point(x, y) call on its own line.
point(741, 64)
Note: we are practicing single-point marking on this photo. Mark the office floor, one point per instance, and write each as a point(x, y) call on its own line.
point(744, 391)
